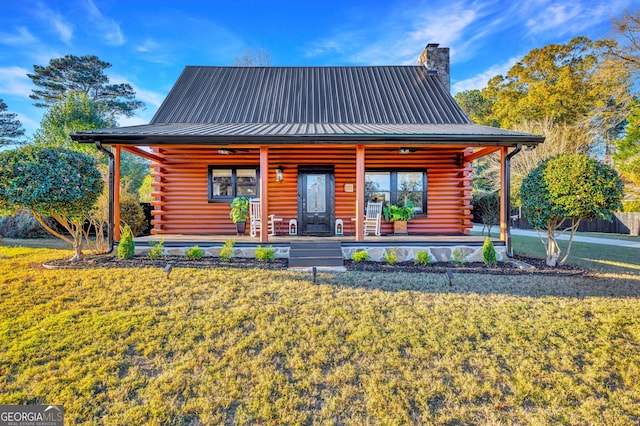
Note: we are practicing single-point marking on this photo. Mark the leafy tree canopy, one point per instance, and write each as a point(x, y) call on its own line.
point(10, 127)
point(559, 81)
point(50, 182)
point(569, 187)
point(74, 112)
point(627, 155)
point(84, 74)
point(477, 107)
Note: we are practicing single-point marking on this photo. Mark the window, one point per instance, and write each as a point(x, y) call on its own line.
point(397, 187)
point(226, 183)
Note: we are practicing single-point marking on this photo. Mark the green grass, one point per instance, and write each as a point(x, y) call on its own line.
point(598, 257)
point(222, 346)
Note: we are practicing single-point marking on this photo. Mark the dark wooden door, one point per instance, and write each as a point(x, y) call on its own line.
point(316, 207)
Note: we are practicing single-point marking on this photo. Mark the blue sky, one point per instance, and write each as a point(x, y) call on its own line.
point(149, 42)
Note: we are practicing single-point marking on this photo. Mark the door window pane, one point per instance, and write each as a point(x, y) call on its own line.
point(316, 190)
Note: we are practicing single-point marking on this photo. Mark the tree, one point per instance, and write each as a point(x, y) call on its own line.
point(50, 182)
point(74, 112)
point(84, 74)
point(627, 155)
point(476, 106)
point(626, 46)
point(568, 188)
point(559, 139)
point(10, 126)
point(571, 83)
point(253, 58)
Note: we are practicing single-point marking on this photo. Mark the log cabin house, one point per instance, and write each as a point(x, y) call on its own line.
point(314, 144)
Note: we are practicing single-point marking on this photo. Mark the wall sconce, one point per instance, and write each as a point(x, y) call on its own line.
point(279, 174)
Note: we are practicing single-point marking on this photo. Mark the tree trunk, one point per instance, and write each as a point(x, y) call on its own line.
point(553, 251)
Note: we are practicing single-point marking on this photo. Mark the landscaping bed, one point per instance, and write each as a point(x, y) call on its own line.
point(502, 268)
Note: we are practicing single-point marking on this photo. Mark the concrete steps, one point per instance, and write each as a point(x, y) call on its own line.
point(309, 254)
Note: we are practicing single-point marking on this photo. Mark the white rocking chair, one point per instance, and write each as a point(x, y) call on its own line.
point(255, 223)
point(372, 218)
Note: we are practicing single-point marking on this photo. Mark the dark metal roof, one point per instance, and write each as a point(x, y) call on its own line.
point(376, 94)
point(279, 105)
point(279, 133)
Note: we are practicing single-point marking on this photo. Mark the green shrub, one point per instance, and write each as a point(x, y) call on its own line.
point(195, 253)
point(131, 213)
point(459, 258)
point(265, 254)
point(157, 250)
point(126, 247)
point(391, 256)
point(226, 252)
point(422, 258)
point(489, 253)
point(360, 256)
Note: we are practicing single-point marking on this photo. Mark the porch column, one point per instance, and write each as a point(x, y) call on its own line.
point(504, 193)
point(116, 194)
point(359, 192)
point(264, 214)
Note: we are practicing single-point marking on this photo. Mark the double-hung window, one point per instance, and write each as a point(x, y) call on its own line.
point(226, 183)
point(397, 187)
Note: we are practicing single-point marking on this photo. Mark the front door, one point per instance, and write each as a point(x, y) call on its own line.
point(315, 209)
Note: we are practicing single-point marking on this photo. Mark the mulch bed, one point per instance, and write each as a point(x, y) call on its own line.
point(281, 264)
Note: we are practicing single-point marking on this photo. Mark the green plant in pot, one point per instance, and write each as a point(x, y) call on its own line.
point(399, 216)
point(240, 213)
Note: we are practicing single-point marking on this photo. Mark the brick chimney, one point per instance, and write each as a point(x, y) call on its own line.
point(436, 59)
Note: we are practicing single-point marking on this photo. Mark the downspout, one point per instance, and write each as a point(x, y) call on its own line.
point(507, 188)
point(109, 154)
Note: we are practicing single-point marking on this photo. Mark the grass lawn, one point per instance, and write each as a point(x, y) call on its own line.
point(599, 257)
point(260, 347)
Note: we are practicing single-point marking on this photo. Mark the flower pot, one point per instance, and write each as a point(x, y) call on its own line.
point(240, 227)
point(400, 227)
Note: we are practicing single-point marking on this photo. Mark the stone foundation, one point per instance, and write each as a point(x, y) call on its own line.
point(376, 253)
point(436, 254)
point(248, 252)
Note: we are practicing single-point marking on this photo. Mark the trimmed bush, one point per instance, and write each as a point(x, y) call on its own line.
point(489, 253)
point(265, 254)
point(195, 253)
point(126, 247)
point(226, 252)
point(360, 256)
point(391, 256)
point(157, 250)
point(458, 257)
point(422, 258)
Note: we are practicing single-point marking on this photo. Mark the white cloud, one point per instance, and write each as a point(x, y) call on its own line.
point(573, 17)
point(108, 28)
point(148, 46)
point(479, 81)
point(59, 24)
point(401, 36)
point(14, 81)
point(22, 37)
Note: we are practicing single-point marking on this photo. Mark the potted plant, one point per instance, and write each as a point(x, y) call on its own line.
point(399, 216)
point(240, 213)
